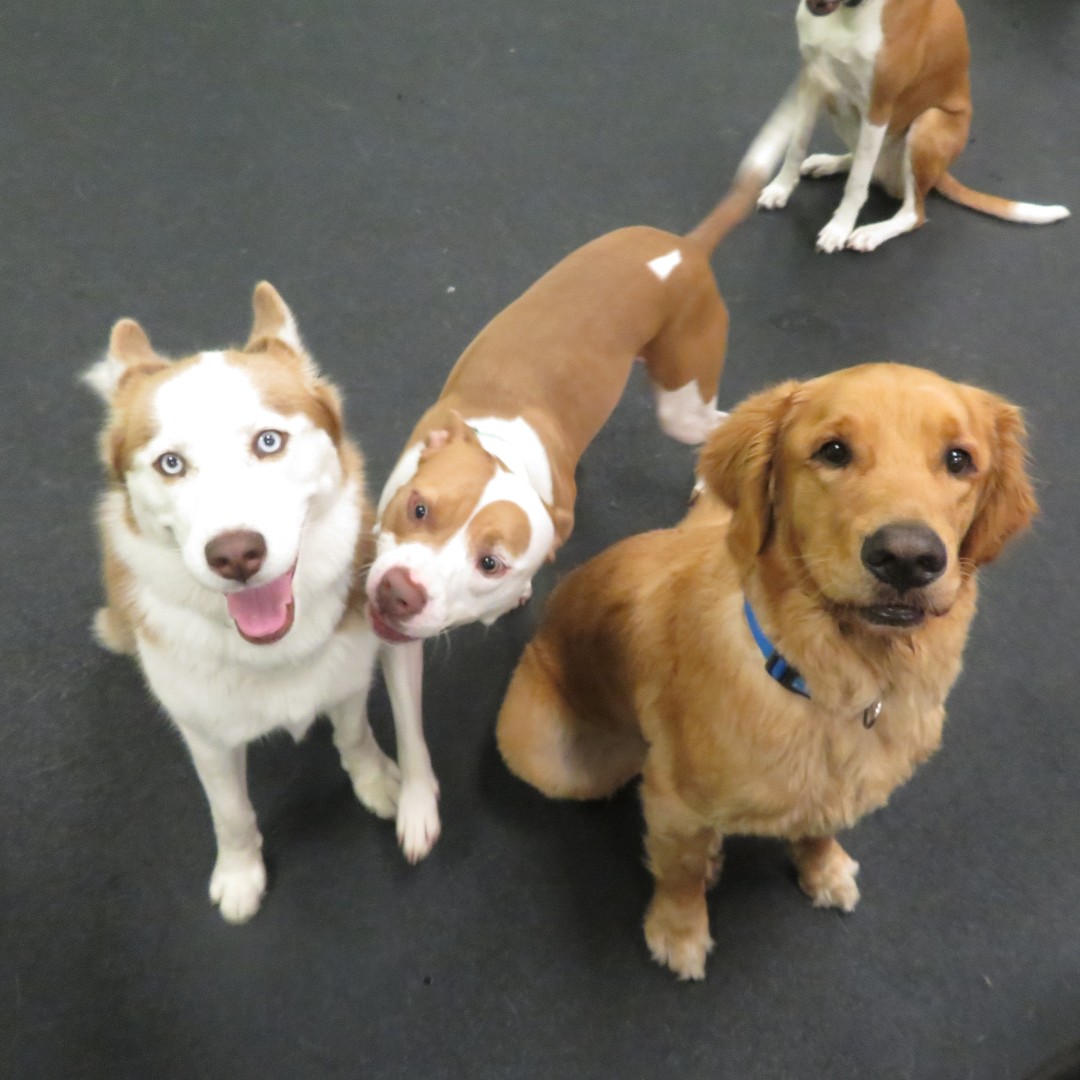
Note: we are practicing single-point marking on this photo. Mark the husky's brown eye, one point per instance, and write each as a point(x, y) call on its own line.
point(171, 464)
point(268, 443)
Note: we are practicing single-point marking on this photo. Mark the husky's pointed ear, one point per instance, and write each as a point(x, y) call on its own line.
point(129, 352)
point(1007, 503)
point(737, 465)
point(273, 323)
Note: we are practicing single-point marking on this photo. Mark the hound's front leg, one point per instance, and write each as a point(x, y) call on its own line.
point(834, 236)
point(807, 104)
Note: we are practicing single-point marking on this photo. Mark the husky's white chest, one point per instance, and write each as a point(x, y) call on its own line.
point(840, 51)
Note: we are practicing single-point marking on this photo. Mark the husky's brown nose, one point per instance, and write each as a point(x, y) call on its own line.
point(236, 556)
point(398, 595)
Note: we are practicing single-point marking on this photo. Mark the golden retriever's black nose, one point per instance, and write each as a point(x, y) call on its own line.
point(236, 556)
point(905, 555)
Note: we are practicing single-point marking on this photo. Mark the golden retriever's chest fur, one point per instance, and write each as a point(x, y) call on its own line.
point(748, 756)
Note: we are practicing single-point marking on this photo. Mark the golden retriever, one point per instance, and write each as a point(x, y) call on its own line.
point(861, 505)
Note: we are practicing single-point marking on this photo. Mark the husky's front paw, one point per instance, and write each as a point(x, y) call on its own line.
point(237, 884)
point(418, 824)
point(377, 783)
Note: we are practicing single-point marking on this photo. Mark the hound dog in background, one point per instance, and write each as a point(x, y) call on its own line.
point(484, 492)
point(779, 669)
point(893, 75)
point(236, 533)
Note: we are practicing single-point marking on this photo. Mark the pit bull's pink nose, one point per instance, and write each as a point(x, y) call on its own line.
point(236, 556)
point(398, 595)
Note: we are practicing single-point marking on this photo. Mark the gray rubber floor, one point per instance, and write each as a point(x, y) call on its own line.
point(401, 171)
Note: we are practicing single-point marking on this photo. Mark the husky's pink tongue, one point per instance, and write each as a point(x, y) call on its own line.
point(263, 613)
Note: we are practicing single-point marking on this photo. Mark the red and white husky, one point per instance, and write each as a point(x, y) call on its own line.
point(236, 533)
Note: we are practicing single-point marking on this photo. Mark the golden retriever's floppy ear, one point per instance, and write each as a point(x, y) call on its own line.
point(736, 464)
point(1007, 504)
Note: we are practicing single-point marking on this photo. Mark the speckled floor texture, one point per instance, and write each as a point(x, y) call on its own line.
point(401, 171)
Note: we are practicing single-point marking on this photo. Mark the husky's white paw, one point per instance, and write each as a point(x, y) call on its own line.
point(377, 783)
point(237, 884)
point(774, 196)
point(418, 824)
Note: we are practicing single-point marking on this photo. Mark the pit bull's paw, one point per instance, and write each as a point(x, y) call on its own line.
point(819, 165)
point(237, 884)
point(418, 824)
point(774, 196)
point(679, 939)
point(833, 237)
point(377, 783)
point(831, 882)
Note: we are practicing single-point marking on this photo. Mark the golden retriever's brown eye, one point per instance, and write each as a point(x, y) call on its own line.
point(834, 453)
point(959, 462)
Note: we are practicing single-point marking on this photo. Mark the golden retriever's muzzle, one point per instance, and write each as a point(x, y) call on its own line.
point(905, 557)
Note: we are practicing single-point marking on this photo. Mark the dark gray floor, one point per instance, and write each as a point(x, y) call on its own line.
point(400, 172)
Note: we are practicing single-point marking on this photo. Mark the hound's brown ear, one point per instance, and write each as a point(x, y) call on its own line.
point(1007, 504)
point(736, 464)
point(273, 323)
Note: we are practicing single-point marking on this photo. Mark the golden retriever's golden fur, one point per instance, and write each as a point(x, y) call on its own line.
point(645, 662)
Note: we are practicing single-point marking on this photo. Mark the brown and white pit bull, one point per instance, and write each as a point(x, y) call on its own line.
point(484, 491)
point(893, 75)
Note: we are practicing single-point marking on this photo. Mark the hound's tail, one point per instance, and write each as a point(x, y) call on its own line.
point(755, 170)
point(995, 206)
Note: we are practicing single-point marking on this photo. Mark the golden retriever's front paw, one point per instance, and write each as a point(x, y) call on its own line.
point(679, 939)
point(830, 882)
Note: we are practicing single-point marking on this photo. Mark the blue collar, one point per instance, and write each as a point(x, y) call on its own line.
point(787, 676)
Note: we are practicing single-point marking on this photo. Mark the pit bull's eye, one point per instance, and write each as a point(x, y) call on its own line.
point(490, 565)
point(959, 462)
point(835, 453)
point(170, 464)
point(268, 443)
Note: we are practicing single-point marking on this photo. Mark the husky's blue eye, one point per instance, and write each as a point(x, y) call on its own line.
point(170, 464)
point(269, 442)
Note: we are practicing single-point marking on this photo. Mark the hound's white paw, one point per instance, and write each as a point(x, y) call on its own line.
point(418, 824)
point(774, 196)
point(377, 783)
point(833, 237)
point(237, 884)
point(819, 165)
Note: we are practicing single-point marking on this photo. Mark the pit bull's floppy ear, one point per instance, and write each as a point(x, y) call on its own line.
point(737, 465)
point(273, 324)
point(1007, 503)
point(130, 352)
point(455, 430)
